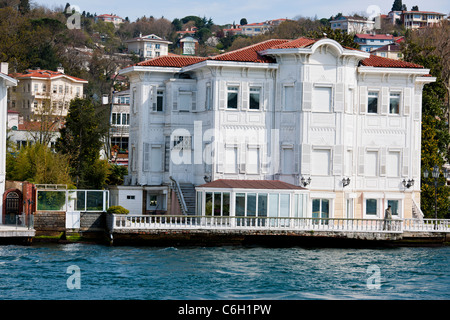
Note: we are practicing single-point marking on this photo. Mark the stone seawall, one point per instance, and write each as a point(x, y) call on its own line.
point(51, 226)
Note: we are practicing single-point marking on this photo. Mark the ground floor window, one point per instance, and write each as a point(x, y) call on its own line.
point(394, 207)
point(321, 209)
point(217, 204)
point(371, 207)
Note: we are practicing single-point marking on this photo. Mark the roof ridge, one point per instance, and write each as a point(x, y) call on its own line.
point(250, 46)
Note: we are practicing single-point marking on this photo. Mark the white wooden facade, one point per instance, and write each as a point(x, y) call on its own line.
point(313, 111)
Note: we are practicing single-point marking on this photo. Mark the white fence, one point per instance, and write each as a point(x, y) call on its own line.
point(123, 222)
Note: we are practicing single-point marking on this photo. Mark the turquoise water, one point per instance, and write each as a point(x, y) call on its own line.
point(120, 273)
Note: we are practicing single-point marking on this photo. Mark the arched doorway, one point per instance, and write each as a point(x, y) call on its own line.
point(12, 206)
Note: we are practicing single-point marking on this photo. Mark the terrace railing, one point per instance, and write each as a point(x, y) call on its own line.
point(122, 222)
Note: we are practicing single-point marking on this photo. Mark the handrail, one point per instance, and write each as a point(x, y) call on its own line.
point(417, 208)
point(179, 195)
point(256, 223)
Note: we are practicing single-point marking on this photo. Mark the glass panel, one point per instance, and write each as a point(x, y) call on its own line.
point(394, 206)
point(371, 206)
point(51, 200)
point(315, 209)
point(372, 102)
point(208, 204)
point(254, 98)
point(199, 204)
point(80, 205)
point(240, 204)
point(226, 204)
point(217, 203)
point(94, 201)
point(251, 204)
point(325, 210)
point(273, 205)
point(232, 97)
point(284, 205)
point(394, 103)
point(262, 205)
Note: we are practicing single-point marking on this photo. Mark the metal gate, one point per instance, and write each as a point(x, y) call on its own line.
point(12, 207)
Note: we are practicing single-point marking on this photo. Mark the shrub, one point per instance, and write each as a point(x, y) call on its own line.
point(117, 210)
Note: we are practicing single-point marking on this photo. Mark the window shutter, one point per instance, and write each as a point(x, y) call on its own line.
point(361, 161)
point(339, 98)
point(337, 160)
point(407, 102)
point(362, 100)
point(266, 93)
point(219, 156)
point(383, 162)
point(154, 90)
point(307, 96)
point(241, 158)
point(194, 101)
point(222, 94)
point(175, 100)
point(384, 100)
point(146, 158)
point(245, 95)
point(417, 104)
point(405, 168)
point(306, 159)
point(296, 158)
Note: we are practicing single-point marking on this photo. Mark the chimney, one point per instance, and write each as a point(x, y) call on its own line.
point(4, 67)
point(60, 69)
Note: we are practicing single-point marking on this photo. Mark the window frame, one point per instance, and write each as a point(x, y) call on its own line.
point(371, 94)
point(232, 89)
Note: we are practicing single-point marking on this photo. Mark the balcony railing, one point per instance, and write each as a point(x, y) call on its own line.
point(123, 222)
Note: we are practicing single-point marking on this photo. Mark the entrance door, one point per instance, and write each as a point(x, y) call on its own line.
point(12, 207)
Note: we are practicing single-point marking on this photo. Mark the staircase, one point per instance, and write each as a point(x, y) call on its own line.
point(188, 191)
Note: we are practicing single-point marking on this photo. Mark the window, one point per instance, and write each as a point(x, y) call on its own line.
point(394, 103)
point(130, 197)
point(321, 209)
point(44, 87)
point(185, 101)
point(60, 89)
point(394, 206)
point(252, 163)
point(157, 46)
point(322, 99)
point(289, 98)
point(393, 164)
point(372, 102)
point(371, 207)
point(255, 94)
point(55, 88)
point(371, 163)
point(36, 87)
point(159, 100)
point(231, 160)
point(288, 160)
point(232, 97)
point(208, 103)
point(321, 162)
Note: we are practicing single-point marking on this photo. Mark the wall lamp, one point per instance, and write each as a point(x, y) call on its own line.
point(345, 182)
point(408, 184)
point(304, 181)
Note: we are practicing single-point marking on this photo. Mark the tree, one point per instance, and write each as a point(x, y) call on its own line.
point(415, 8)
point(340, 36)
point(435, 133)
point(243, 22)
point(397, 5)
point(81, 140)
point(38, 164)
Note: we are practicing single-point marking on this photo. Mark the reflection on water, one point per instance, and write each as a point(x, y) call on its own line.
point(40, 272)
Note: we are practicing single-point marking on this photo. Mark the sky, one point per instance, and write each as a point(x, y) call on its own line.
point(229, 11)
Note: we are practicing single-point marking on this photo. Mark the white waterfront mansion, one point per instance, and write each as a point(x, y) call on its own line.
point(342, 124)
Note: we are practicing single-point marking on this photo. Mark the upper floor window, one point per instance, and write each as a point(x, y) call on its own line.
point(159, 100)
point(255, 98)
point(394, 103)
point(232, 97)
point(372, 102)
point(322, 99)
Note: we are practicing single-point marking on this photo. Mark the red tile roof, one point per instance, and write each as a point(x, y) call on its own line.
point(297, 43)
point(251, 184)
point(251, 53)
point(176, 61)
point(44, 74)
point(375, 36)
point(376, 61)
